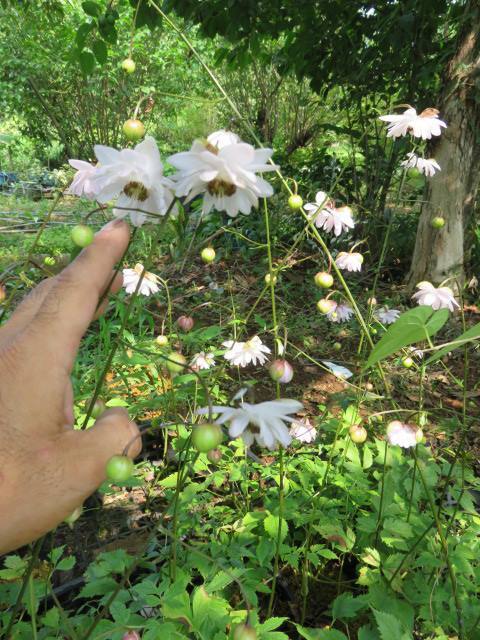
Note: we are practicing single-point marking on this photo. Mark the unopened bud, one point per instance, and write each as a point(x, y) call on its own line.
point(281, 371)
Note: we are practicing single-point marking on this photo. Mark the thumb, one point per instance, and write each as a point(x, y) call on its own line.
point(89, 451)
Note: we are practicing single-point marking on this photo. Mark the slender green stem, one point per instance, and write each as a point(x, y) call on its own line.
point(444, 545)
point(32, 607)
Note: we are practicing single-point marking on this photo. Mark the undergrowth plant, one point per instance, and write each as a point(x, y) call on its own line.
point(266, 512)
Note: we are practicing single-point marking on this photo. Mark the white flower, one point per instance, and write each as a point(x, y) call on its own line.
point(403, 435)
point(386, 315)
point(326, 216)
point(225, 170)
point(81, 183)
point(435, 297)
point(222, 138)
point(131, 277)
point(340, 312)
point(349, 261)
point(424, 126)
point(426, 166)
point(243, 353)
point(202, 360)
point(303, 430)
point(338, 371)
point(416, 353)
point(263, 422)
point(133, 176)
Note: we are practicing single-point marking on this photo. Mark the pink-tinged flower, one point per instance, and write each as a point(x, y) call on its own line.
point(349, 261)
point(424, 126)
point(131, 277)
point(403, 435)
point(303, 431)
point(281, 371)
point(427, 166)
point(242, 354)
point(224, 169)
point(185, 323)
point(340, 312)
point(435, 297)
point(202, 360)
point(133, 176)
point(263, 422)
point(386, 315)
point(327, 217)
point(81, 183)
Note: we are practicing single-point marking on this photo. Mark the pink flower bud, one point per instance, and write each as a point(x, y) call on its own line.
point(131, 635)
point(281, 371)
point(185, 323)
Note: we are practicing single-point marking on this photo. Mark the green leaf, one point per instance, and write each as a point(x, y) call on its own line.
point(390, 626)
point(320, 634)
point(169, 481)
point(87, 62)
point(100, 50)
point(413, 326)
point(91, 8)
point(468, 336)
point(346, 606)
point(66, 564)
point(272, 524)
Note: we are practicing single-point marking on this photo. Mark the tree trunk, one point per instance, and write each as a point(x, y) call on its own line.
point(451, 193)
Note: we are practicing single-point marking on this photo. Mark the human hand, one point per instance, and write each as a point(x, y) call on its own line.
point(46, 468)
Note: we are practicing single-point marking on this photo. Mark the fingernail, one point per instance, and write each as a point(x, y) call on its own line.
point(113, 224)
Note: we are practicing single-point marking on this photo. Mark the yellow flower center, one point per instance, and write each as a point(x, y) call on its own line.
point(219, 187)
point(136, 190)
point(147, 276)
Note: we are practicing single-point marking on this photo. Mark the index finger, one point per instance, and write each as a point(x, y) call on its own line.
point(70, 305)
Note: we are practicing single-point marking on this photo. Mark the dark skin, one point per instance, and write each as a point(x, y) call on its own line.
point(47, 469)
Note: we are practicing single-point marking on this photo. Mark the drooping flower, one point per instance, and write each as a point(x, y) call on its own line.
point(263, 422)
point(435, 297)
point(349, 261)
point(340, 312)
point(427, 166)
point(133, 176)
point(202, 360)
point(242, 354)
point(131, 277)
point(327, 217)
point(224, 169)
point(386, 315)
point(403, 435)
point(425, 125)
point(303, 431)
point(81, 183)
point(338, 370)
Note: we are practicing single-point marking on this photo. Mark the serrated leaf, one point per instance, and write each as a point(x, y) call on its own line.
point(412, 326)
point(346, 606)
point(272, 525)
point(320, 634)
point(100, 50)
point(91, 8)
point(468, 336)
point(390, 627)
point(87, 62)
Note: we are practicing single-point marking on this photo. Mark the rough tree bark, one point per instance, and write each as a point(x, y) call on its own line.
point(451, 194)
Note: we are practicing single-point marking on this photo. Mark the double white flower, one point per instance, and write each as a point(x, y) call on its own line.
point(202, 360)
point(425, 125)
point(427, 166)
point(339, 312)
point(403, 435)
point(327, 217)
point(435, 297)
point(242, 354)
point(386, 315)
point(351, 261)
point(224, 169)
point(263, 422)
point(133, 176)
point(131, 278)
